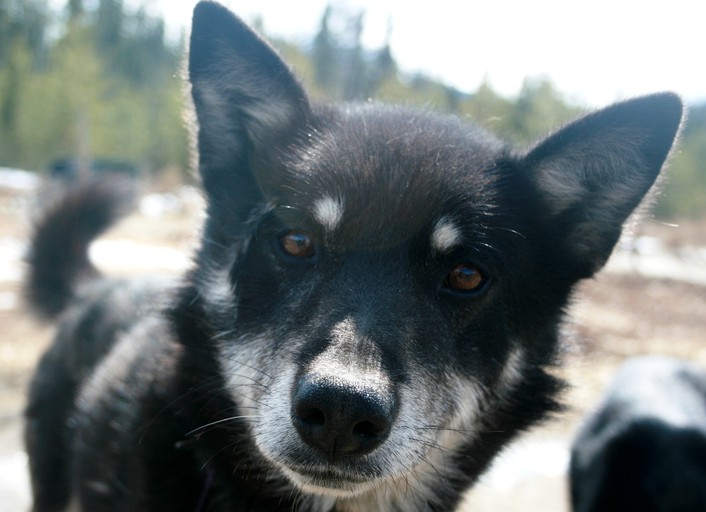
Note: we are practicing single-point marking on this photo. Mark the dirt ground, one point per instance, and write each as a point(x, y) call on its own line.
point(613, 317)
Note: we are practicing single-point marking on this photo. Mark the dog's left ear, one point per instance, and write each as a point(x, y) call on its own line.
point(248, 104)
point(594, 172)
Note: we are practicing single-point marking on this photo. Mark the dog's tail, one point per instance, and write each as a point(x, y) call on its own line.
point(58, 254)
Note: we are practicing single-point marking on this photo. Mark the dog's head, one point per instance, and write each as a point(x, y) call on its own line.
point(383, 286)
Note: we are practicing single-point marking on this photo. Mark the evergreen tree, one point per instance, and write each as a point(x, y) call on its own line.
point(383, 67)
point(109, 23)
point(75, 10)
point(324, 54)
point(25, 23)
point(355, 73)
point(539, 108)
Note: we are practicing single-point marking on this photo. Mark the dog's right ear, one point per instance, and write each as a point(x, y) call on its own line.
point(248, 103)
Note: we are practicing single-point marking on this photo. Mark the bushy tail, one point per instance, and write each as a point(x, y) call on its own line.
point(58, 255)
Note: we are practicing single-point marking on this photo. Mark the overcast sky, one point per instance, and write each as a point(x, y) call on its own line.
point(594, 52)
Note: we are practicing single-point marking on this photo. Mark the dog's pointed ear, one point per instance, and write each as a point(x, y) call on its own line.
point(594, 172)
point(247, 102)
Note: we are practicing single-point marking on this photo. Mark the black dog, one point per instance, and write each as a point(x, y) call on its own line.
point(644, 448)
point(370, 318)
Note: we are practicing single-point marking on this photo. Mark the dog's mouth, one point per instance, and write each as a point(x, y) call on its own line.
point(330, 480)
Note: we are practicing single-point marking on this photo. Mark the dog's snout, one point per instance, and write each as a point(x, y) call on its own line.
point(342, 419)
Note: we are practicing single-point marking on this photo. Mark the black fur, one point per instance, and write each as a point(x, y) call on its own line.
point(323, 353)
point(644, 447)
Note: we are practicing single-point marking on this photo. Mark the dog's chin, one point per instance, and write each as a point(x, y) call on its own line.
point(324, 482)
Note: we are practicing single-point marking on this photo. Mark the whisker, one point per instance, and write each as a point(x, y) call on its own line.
point(222, 420)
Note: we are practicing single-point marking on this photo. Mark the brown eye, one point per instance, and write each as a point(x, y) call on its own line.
point(465, 278)
point(298, 245)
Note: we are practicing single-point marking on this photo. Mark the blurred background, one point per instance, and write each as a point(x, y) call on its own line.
point(91, 86)
point(85, 80)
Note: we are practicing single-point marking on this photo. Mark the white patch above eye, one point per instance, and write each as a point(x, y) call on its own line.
point(328, 211)
point(446, 235)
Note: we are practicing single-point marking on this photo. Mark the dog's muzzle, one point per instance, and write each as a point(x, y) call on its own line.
point(341, 418)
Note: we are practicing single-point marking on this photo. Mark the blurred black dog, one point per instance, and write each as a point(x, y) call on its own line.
point(644, 448)
point(370, 318)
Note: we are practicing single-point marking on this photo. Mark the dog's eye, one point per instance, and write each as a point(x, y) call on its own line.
point(465, 278)
point(297, 245)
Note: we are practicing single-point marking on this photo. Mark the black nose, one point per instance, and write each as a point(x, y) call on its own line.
point(341, 418)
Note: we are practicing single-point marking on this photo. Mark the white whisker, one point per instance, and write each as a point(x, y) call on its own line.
point(223, 420)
